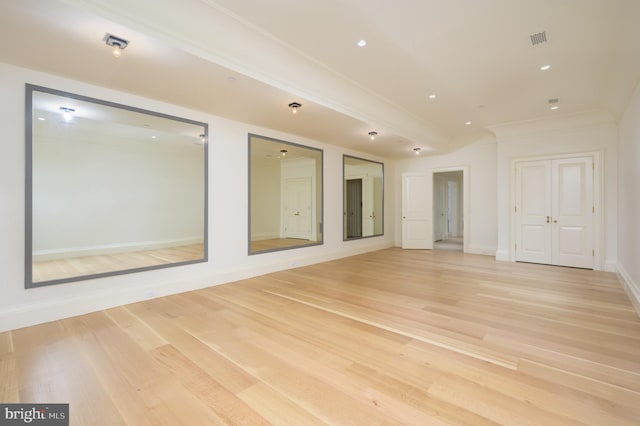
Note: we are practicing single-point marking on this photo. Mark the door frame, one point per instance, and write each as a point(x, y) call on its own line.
point(466, 196)
point(598, 217)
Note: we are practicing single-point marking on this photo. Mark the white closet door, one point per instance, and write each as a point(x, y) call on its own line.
point(417, 210)
point(572, 212)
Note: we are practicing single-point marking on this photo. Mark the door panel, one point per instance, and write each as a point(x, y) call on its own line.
point(297, 223)
point(417, 210)
point(572, 212)
point(533, 205)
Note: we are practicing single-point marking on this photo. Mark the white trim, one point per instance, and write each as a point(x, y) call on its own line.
point(598, 191)
point(503, 255)
point(28, 314)
point(630, 287)
point(484, 250)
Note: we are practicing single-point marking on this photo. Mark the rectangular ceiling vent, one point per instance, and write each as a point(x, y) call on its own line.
point(554, 100)
point(538, 38)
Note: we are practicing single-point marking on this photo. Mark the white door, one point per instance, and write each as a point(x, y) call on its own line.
point(572, 212)
point(440, 208)
point(533, 211)
point(554, 212)
point(417, 210)
point(297, 208)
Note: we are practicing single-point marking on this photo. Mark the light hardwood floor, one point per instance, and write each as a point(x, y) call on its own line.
point(278, 243)
point(389, 337)
point(89, 265)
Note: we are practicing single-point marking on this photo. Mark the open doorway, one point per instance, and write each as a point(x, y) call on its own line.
point(448, 211)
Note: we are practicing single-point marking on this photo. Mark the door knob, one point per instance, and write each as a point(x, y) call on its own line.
point(555, 221)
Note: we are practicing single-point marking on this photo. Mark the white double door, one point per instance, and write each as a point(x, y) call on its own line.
point(554, 212)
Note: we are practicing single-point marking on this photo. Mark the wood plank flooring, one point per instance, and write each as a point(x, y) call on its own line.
point(277, 243)
point(393, 337)
point(89, 265)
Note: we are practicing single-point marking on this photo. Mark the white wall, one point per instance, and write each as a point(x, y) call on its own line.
point(629, 198)
point(588, 132)
point(228, 209)
point(265, 200)
point(480, 157)
point(156, 187)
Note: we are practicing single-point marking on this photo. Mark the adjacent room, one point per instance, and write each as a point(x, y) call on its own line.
point(239, 212)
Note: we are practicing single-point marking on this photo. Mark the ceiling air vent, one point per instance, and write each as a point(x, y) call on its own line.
point(554, 100)
point(538, 38)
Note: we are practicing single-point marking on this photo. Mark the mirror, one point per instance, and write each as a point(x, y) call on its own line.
point(363, 198)
point(285, 195)
point(110, 189)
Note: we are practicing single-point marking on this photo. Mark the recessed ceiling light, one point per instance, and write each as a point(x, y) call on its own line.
point(153, 136)
point(545, 67)
point(416, 150)
point(373, 135)
point(41, 118)
point(467, 123)
point(432, 96)
point(555, 107)
point(362, 43)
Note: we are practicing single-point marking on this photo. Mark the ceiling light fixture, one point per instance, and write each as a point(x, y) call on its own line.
point(203, 138)
point(416, 150)
point(467, 123)
point(555, 107)
point(118, 44)
point(283, 152)
point(373, 135)
point(432, 96)
point(66, 113)
point(362, 43)
point(545, 67)
point(294, 106)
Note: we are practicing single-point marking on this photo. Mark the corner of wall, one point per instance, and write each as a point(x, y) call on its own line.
point(630, 287)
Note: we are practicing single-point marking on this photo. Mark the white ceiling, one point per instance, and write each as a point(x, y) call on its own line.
point(248, 59)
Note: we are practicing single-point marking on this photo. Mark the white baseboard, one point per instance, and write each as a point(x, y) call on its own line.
point(631, 287)
point(63, 253)
point(484, 250)
point(502, 255)
point(28, 314)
